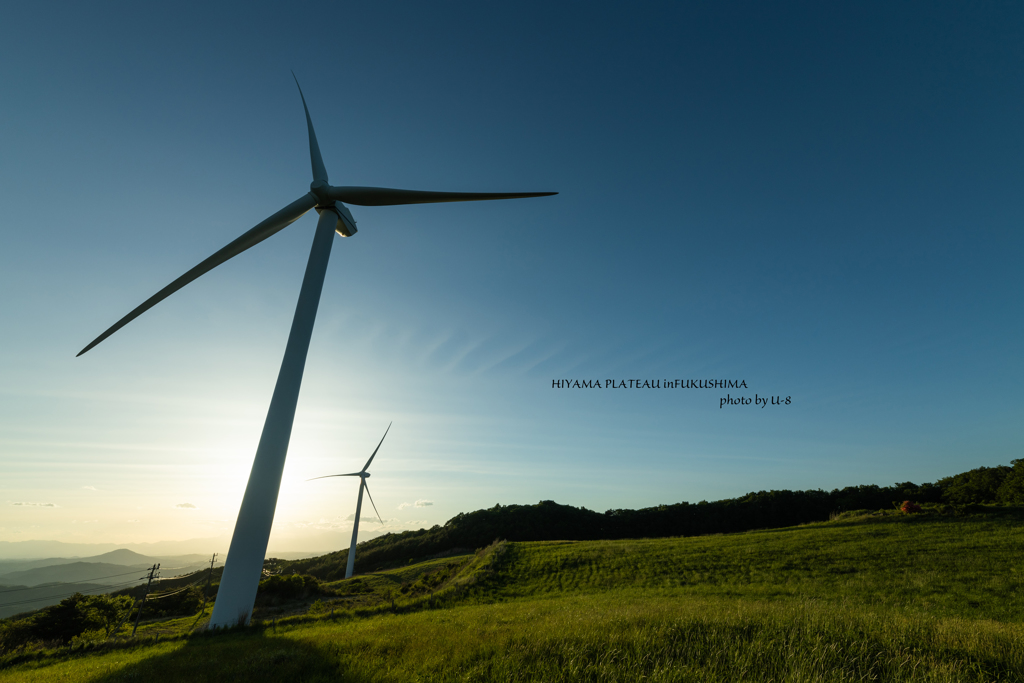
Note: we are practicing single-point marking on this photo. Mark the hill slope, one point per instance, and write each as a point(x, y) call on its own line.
point(548, 520)
point(895, 598)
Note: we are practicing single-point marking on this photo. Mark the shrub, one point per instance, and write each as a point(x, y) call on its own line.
point(1012, 489)
point(976, 486)
point(284, 588)
point(15, 634)
point(66, 620)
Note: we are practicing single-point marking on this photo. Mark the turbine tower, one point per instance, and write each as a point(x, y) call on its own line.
point(363, 476)
point(244, 562)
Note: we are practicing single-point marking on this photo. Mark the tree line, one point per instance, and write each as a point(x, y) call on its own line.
point(548, 521)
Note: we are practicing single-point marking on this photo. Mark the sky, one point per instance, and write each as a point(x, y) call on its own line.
point(821, 201)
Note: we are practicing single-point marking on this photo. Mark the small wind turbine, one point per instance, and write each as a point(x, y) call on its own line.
point(363, 476)
point(244, 563)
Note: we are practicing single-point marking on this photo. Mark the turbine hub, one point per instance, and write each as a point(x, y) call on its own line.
point(364, 475)
point(319, 189)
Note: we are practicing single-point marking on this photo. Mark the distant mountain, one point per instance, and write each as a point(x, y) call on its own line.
point(43, 553)
point(74, 572)
point(34, 584)
point(18, 599)
point(120, 556)
point(8, 566)
point(110, 568)
point(37, 550)
point(123, 556)
point(27, 585)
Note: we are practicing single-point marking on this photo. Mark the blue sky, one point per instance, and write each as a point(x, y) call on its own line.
point(822, 201)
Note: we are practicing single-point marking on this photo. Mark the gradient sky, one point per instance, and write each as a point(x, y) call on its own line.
point(824, 201)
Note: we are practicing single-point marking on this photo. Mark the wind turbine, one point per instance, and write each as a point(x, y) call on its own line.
point(248, 547)
point(363, 476)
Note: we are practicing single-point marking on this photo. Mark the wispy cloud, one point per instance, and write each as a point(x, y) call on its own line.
point(352, 518)
point(89, 488)
point(189, 506)
point(421, 503)
point(37, 505)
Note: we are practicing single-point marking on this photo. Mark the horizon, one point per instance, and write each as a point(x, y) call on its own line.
point(814, 203)
point(329, 542)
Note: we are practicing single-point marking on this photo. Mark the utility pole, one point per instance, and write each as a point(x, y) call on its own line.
point(209, 578)
point(152, 570)
point(206, 591)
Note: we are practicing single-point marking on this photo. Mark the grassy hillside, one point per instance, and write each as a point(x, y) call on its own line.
point(548, 520)
point(894, 597)
point(955, 567)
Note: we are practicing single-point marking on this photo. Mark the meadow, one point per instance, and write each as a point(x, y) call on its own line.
point(869, 597)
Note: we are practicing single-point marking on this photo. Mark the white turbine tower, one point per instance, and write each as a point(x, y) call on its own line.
point(363, 476)
point(244, 562)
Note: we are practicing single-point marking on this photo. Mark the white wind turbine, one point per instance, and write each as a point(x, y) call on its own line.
point(248, 548)
point(363, 476)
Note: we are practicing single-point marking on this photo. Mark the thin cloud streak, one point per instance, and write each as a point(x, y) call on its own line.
point(421, 503)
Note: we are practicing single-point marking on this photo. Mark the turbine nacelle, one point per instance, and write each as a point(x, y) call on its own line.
point(346, 226)
point(322, 190)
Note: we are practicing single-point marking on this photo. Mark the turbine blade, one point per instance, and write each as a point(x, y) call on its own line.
point(367, 465)
point(319, 172)
point(328, 476)
point(367, 487)
point(383, 196)
point(280, 220)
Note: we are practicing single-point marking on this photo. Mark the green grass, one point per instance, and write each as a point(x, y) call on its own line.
point(957, 567)
point(619, 636)
point(892, 598)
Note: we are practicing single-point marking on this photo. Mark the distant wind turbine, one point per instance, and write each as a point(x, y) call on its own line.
point(363, 476)
point(248, 547)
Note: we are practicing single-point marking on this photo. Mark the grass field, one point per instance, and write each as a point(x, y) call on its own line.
point(966, 567)
point(895, 598)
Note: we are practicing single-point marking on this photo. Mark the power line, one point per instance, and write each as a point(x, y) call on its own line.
point(28, 588)
point(97, 589)
point(112, 587)
point(176, 591)
point(175, 578)
point(167, 595)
